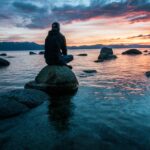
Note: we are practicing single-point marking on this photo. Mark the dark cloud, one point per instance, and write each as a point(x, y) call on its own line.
point(147, 36)
point(27, 7)
point(41, 13)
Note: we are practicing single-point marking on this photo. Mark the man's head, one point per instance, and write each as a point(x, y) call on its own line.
point(56, 26)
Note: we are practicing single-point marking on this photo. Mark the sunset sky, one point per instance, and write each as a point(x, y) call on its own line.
point(83, 22)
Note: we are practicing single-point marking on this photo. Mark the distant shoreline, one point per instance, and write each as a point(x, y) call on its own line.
point(26, 46)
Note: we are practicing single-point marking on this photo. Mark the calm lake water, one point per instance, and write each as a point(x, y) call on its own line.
point(110, 111)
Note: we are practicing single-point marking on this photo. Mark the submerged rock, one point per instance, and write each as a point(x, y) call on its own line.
point(29, 97)
point(4, 62)
point(32, 53)
point(41, 53)
point(9, 107)
point(132, 52)
point(18, 101)
point(106, 54)
point(84, 54)
point(147, 73)
point(3, 54)
point(90, 71)
point(55, 79)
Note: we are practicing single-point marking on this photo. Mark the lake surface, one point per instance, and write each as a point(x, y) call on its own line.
point(110, 111)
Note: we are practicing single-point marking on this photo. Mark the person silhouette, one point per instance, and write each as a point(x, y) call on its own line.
point(55, 47)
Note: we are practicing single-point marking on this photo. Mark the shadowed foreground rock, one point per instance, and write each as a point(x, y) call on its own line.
point(55, 80)
point(106, 54)
point(132, 52)
point(4, 62)
point(18, 101)
point(10, 107)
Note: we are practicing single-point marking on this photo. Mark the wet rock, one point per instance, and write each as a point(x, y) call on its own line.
point(147, 73)
point(106, 54)
point(32, 53)
point(41, 53)
point(10, 107)
point(28, 97)
point(146, 51)
point(90, 71)
point(3, 54)
point(54, 80)
point(10, 57)
point(84, 54)
point(4, 62)
point(132, 52)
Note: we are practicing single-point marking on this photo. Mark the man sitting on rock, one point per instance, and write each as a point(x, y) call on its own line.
point(55, 47)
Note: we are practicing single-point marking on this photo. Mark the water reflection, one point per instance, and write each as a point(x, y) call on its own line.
point(60, 112)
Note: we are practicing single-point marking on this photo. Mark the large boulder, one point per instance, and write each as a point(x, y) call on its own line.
point(132, 52)
point(4, 62)
point(106, 54)
point(55, 80)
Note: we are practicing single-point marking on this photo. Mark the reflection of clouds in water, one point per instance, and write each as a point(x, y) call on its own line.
point(60, 112)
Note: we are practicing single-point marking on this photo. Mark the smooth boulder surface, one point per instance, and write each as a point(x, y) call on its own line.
point(132, 52)
point(55, 79)
point(106, 54)
point(32, 53)
point(4, 62)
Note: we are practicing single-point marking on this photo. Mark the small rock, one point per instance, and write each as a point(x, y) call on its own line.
point(147, 73)
point(32, 53)
point(10, 57)
point(90, 71)
point(4, 62)
point(132, 52)
point(146, 51)
point(41, 53)
point(3, 54)
point(84, 54)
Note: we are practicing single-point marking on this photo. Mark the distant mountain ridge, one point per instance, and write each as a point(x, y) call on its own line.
point(20, 46)
point(10, 46)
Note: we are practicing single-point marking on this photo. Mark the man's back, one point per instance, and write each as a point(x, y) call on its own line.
point(55, 47)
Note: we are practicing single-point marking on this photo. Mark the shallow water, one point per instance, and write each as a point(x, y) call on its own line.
point(111, 109)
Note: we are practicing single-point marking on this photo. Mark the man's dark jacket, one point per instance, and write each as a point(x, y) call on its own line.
point(55, 48)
